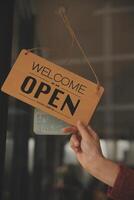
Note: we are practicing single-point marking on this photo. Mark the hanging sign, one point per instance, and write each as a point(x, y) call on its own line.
point(52, 89)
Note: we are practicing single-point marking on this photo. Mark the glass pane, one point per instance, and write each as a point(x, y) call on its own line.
point(39, 167)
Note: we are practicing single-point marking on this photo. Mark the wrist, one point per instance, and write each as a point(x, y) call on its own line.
point(96, 165)
point(105, 170)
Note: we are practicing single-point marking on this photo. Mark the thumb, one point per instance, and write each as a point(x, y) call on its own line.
point(83, 130)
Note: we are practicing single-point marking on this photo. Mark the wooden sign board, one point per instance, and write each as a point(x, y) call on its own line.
point(52, 89)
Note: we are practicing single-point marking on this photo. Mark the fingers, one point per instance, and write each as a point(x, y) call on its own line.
point(83, 130)
point(75, 140)
point(71, 129)
point(75, 143)
point(93, 133)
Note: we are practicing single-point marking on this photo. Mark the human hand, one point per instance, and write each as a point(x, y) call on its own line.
point(85, 143)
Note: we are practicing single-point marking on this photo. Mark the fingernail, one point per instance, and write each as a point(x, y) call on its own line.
point(64, 131)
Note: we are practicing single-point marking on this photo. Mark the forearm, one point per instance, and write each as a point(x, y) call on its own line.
point(105, 170)
point(89, 154)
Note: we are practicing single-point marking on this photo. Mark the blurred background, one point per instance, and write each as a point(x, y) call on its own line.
point(38, 167)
